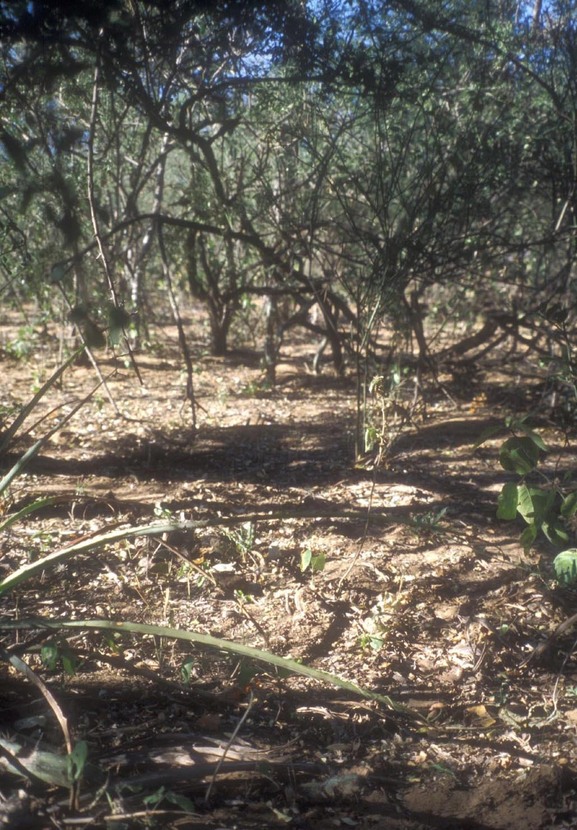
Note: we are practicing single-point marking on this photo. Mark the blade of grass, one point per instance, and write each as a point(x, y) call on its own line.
point(155, 529)
point(28, 509)
point(29, 407)
point(85, 544)
point(15, 471)
point(19, 665)
point(284, 663)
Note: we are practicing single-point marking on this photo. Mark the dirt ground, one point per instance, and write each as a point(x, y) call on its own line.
point(421, 594)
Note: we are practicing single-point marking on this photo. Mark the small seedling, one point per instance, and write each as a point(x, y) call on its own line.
point(55, 653)
point(242, 539)
point(257, 389)
point(314, 561)
point(187, 670)
point(163, 795)
point(76, 761)
point(545, 507)
point(427, 524)
point(371, 641)
point(243, 598)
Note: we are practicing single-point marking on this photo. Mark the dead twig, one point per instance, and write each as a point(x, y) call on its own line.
point(227, 748)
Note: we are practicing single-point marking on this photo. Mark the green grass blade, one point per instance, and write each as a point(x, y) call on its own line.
point(284, 663)
point(29, 407)
point(27, 510)
point(15, 471)
point(34, 449)
point(27, 571)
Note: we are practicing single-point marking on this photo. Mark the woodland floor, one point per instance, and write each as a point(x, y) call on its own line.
point(439, 610)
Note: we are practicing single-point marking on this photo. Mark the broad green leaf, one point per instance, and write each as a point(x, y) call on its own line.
point(69, 663)
point(318, 563)
point(49, 654)
point(534, 436)
point(565, 565)
point(155, 798)
point(544, 504)
point(519, 455)
point(555, 531)
point(507, 501)
point(185, 804)
point(536, 505)
point(186, 670)
point(569, 506)
point(48, 766)
point(525, 505)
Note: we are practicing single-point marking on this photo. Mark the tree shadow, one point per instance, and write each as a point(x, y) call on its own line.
point(299, 454)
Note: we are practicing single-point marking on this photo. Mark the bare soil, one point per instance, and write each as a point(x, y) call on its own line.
point(424, 596)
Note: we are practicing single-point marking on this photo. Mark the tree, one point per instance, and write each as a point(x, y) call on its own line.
point(359, 156)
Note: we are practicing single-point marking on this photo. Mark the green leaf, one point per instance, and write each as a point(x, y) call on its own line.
point(39, 504)
point(569, 506)
point(28, 408)
point(34, 449)
point(155, 798)
point(519, 455)
point(487, 434)
point(525, 505)
point(528, 537)
point(185, 804)
point(69, 663)
point(536, 505)
point(555, 531)
point(565, 565)
point(49, 766)
point(318, 563)
point(532, 435)
point(76, 761)
point(186, 670)
point(49, 654)
point(507, 501)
